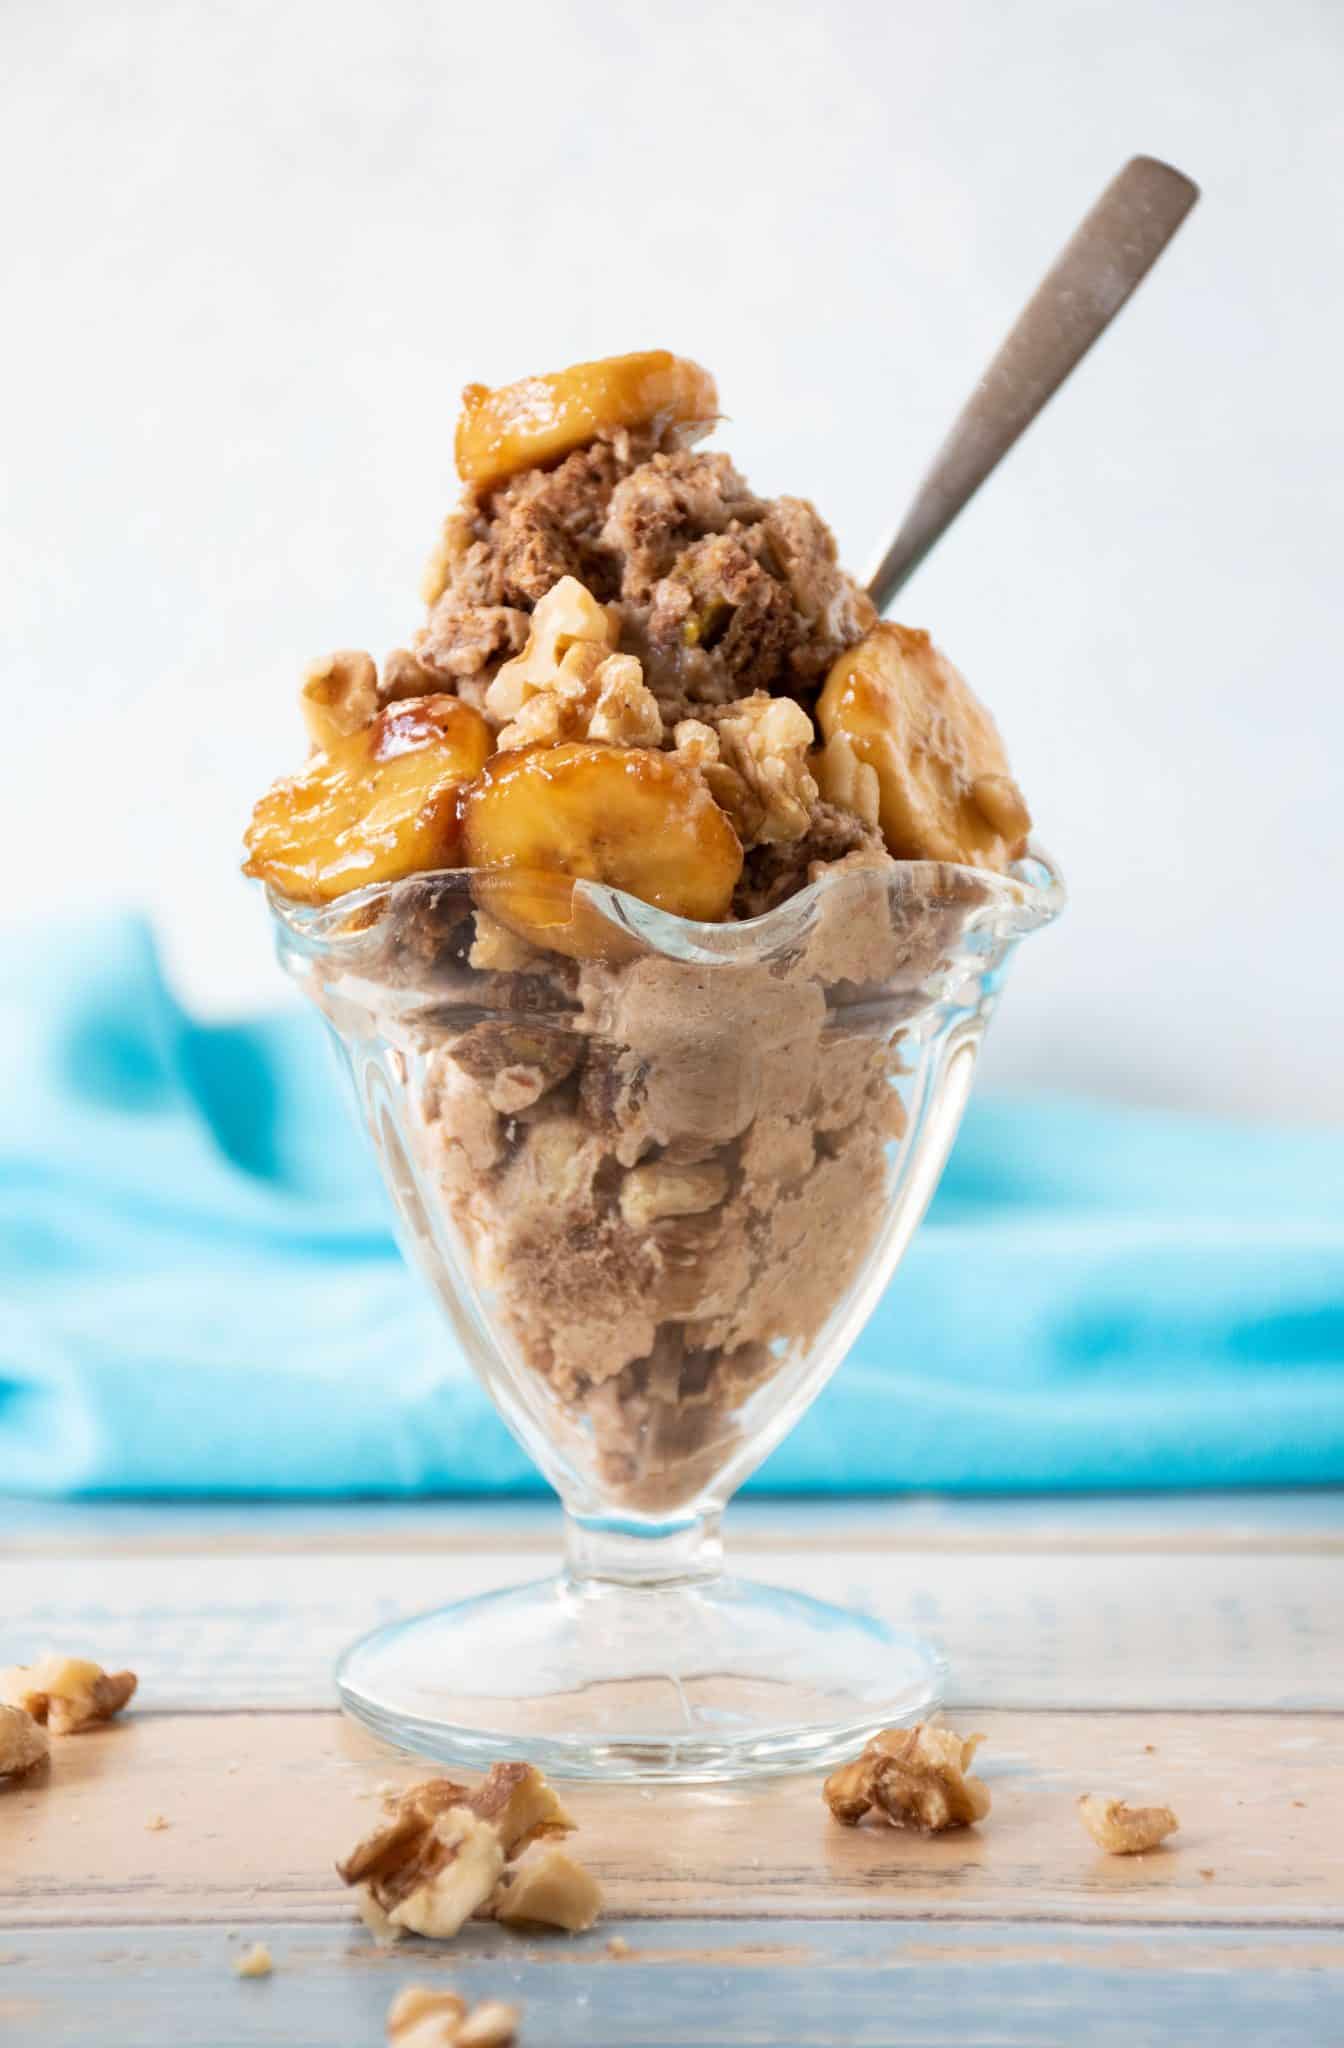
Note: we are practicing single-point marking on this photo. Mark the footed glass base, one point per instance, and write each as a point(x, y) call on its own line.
point(709, 1679)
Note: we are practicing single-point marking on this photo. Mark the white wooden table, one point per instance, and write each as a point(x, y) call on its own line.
point(1188, 1650)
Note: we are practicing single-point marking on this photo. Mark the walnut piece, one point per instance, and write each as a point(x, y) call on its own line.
point(766, 742)
point(649, 1193)
point(568, 616)
point(497, 950)
point(549, 1889)
point(420, 2017)
point(593, 697)
point(569, 683)
point(254, 1962)
point(66, 1693)
point(849, 1791)
point(426, 1871)
point(440, 1854)
point(339, 695)
point(625, 713)
point(912, 1777)
point(520, 1805)
point(23, 1744)
point(698, 746)
point(1125, 1830)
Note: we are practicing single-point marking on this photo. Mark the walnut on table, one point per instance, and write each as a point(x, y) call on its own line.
point(1125, 1830)
point(426, 1872)
point(23, 1743)
point(913, 1777)
point(440, 1856)
point(420, 2017)
point(549, 1889)
point(520, 1805)
point(66, 1693)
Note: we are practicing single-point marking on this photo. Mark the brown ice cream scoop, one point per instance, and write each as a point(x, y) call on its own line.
point(539, 419)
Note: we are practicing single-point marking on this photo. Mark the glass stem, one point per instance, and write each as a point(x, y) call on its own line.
point(626, 1551)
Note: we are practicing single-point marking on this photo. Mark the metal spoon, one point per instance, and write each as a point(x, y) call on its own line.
point(1110, 252)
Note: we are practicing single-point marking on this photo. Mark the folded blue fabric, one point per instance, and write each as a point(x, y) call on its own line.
point(199, 1291)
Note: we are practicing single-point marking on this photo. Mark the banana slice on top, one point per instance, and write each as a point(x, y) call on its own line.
point(378, 804)
point(630, 817)
point(945, 792)
point(539, 419)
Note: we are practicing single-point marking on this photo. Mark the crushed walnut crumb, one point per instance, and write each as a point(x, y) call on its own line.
point(23, 1742)
point(156, 1824)
point(420, 2017)
point(911, 1777)
point(66, 1693)
point(254, 1962)
point(1125, 1830)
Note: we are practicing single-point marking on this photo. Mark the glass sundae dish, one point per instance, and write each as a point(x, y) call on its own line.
point(657, 897)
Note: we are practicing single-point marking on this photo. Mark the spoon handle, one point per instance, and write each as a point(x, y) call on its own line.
point(1110, 252)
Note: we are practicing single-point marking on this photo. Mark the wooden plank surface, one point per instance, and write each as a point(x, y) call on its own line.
point(1187, 1650)
point(260, 1806)
point(1298, 1519)
point(1092, 1629)
point(796, 1985)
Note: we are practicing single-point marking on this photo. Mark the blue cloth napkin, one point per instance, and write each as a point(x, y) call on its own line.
point(199, 1292)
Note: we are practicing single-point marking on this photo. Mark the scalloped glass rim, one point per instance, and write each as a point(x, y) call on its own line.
point(1031, 894)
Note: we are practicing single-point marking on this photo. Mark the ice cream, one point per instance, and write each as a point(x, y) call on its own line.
point(662, 1157)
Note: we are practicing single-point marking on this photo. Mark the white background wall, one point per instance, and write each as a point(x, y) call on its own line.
point(251, 252)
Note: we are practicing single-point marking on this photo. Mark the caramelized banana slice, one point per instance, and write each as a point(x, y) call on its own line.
point(631, 817)
point(378, 804)
point(540, 419)
point(944, 790)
